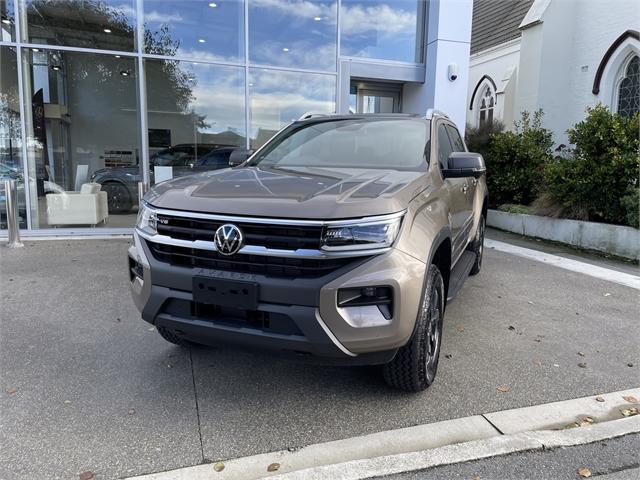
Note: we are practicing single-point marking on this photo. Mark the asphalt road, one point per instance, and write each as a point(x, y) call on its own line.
point(87, 386)
point(615, 459)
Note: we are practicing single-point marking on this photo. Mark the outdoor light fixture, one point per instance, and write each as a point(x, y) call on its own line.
point(107, 30)
point(213, 5)
point(317, 19)
point(55, 67)
point(35, 49)
point(125, 73)
point(201, 40)
point(117, 56)
point(285, 49)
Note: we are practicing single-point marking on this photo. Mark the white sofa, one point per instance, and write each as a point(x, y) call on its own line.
point(86, 207)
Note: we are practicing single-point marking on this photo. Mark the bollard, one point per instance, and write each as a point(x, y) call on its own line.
point(13, 226)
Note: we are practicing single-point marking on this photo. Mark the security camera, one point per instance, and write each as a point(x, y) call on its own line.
point(453, 72)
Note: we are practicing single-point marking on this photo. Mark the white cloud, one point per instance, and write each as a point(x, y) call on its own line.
point(158, 17)
point(382, 18)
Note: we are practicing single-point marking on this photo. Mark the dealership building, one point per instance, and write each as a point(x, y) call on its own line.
point(118, 92)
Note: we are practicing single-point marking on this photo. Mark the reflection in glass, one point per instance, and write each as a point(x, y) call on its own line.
point(293, 33)
point(7, 21)
point(202, 30)
point(82, 125)
point(279, 97)
point(10, 134)
point(195, 116)
point(383, 29)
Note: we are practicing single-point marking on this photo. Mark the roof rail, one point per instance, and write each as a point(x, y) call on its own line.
point(308, 115)
point(432, 112)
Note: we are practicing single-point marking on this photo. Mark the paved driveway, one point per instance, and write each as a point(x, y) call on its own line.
point(86, 385)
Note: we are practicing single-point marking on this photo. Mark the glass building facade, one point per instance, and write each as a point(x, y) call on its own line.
point(97, 96)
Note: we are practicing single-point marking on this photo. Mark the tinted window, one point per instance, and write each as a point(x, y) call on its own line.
point(171, 158)
point(215, 159)
point(456, 140)
point(444, 147)
point(351, 143)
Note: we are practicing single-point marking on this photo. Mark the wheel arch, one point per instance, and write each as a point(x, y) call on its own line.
point(440, 255)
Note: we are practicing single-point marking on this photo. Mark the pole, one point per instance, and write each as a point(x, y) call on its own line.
point(13, 227)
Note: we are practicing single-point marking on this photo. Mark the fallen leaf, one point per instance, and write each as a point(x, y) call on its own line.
point(581, 354)
point(86, 475)
point(586, 421)
point(537, 340)
point(582, 365)
point(448, 355)
point(67, 402)
point(218, 466)
point(273, 467)
point(607, 294)
point(599, 399)
point(475, 477)
point(530, 302)
point(537, 363)
point(460, 328)
point(571, 425)
point(12, 391)
point(630, 399)
point(511, 327)
point(556, 365)
point(504, 388)
point(629, 412)
point(132, 411)
point(584, 472)
point(629, 364)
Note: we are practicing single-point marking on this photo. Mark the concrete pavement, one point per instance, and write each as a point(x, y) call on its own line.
point(87, 386)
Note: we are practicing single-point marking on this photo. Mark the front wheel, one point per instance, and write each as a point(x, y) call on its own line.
point(414, 367)
point(118, 197)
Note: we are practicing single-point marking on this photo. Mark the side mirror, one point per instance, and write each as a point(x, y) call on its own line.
point(465, 164)
point(239, 156)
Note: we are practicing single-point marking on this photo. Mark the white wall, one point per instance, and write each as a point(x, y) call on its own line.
point(559, 58)
point(448, 40)
point(497, 63)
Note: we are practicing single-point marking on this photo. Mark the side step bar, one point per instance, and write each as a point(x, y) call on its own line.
point(460, 273)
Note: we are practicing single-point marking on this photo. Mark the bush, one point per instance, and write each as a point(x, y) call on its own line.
point(599, 179)
point(515, 161)
point(478, 138)
point(514, 208)
point(631, 203)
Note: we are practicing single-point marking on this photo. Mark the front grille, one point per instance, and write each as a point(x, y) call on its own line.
point(284, 237)
point(256, 264)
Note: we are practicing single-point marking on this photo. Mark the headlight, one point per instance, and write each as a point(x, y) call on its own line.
point(147, 219)
point(361, 236)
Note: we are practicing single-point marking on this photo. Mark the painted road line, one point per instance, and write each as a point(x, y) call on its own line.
point(426, 438)
point(602, 273)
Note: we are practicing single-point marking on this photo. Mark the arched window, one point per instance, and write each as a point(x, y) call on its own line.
point(487, 103)
point(628, 88)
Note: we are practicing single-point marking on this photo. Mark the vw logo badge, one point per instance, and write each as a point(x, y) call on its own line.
point(228, 239)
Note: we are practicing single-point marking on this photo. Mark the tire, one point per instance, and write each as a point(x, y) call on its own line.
point(118, 197)
point(171, 337)
point(414, 367)
point(477, 246)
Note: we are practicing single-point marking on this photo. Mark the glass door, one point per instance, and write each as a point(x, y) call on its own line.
point(375, 98)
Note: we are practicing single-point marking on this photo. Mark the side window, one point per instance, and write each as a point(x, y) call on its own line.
point(444, 147)
point(456, 140)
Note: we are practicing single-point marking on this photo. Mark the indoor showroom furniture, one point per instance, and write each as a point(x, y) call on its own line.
point(86, 207)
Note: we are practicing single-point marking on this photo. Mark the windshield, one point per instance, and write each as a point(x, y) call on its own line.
point(350, 143)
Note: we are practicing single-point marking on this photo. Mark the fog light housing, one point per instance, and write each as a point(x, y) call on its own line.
point(379, 296)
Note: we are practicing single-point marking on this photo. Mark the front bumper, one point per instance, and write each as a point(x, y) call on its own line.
point(294, 315)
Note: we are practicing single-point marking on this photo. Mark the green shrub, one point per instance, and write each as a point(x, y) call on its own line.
point(478, 138)
point(515, 161)
point(631, 203)
point(514, 208)
point(601, 170)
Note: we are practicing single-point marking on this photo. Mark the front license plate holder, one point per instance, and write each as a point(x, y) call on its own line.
point(225, 292)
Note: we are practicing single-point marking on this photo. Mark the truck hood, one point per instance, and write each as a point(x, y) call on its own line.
point(293, 192)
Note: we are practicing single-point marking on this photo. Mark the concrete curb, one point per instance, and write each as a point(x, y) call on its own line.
point(423, 446)
point(615, 239)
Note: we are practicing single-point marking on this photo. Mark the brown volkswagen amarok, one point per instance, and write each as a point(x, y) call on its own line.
point(343, 237)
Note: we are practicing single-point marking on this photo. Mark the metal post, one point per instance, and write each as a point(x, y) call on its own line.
point(142, 189)
point(13, 227)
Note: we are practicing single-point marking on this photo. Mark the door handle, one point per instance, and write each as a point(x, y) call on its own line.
point(465, 188)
